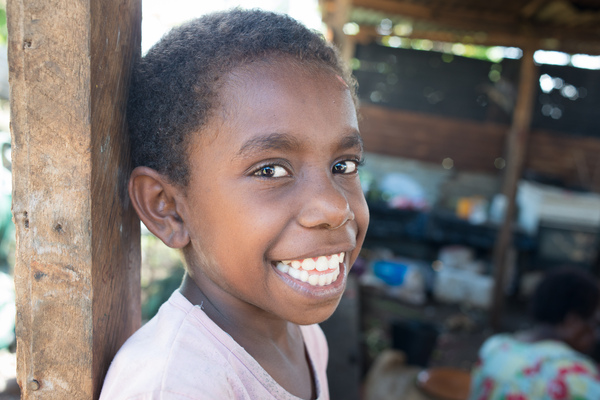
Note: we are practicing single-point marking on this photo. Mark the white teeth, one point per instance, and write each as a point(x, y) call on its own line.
point(294, 273)
point(322, 279)
point(322, 264)
point(306, 270)
point(334, 261)
point(308, 264)
point(304, 276)
point(282, 267)
point(313, 279)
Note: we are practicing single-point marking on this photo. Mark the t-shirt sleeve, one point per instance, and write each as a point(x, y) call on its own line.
point(183, 380)
point(209, 390)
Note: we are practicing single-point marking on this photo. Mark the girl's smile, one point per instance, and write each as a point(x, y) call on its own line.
point(315, 276)
point(317, 271)
point(274, 208)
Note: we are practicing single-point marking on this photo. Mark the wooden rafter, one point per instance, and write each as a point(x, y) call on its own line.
point(507, 39)
point(550, 24)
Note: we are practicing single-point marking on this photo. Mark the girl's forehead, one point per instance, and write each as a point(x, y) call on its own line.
point(282, 77)
point(282, 68)
point(279, 97)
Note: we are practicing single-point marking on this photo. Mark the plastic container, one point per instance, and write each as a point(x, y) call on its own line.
point(391, 272)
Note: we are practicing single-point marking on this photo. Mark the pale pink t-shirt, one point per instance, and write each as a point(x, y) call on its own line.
point(181, 354)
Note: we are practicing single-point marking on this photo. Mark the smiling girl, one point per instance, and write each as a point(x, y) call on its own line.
point(246, 147)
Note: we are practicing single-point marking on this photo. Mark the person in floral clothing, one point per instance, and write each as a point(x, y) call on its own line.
point(549, 361)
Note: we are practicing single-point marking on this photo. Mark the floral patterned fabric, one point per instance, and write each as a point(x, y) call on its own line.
point(548, 370)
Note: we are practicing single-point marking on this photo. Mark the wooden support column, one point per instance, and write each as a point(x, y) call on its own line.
point(77, 261)
point(335, 18)
point(517, 140)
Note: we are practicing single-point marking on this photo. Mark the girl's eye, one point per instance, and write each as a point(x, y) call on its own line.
point(271, 171)
point(345, 167)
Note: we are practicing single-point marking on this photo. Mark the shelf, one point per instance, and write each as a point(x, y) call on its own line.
point(437, 227)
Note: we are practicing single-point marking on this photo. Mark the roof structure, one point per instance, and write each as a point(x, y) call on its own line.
point(572, 26)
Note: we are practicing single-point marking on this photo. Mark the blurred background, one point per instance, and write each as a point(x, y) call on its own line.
point(482, 170)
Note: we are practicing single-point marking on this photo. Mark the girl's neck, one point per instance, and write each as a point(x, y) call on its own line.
point(277, 345)
point(243, 322)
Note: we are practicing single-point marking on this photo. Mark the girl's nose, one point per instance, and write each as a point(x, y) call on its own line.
point(325, 206)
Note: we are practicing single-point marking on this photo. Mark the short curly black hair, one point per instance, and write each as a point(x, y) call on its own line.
point(174, 88)
point(563, 291)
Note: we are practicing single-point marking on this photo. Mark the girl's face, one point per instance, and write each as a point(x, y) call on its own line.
point(274, 209)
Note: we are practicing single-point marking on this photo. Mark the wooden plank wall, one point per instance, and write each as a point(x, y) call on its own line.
point(77, 256)
point(474, 146)
point(430, 138)
point(573, 159)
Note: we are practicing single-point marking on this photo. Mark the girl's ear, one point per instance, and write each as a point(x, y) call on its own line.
point(156, 202)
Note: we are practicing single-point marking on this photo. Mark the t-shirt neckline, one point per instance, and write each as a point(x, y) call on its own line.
point(196, 311)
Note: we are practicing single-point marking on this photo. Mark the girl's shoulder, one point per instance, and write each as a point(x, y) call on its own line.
point(172, 352)
point(507, 343)
point(502, 342)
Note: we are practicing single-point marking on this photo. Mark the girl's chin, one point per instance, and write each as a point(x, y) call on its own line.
point(313, 317)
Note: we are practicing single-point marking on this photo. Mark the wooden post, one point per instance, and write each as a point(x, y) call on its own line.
point(516, 150)
point(77, 260)
point(335, 18)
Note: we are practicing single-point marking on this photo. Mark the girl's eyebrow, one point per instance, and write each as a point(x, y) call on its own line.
point(272, 141)
point(287, 142)
point(352, 140)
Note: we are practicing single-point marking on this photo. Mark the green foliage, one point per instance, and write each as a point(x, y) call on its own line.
point(159, 291)
point(162, 272)
point(3, 29)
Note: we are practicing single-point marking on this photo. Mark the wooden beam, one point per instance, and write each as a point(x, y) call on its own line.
point(517, 141)
point(409, 9)
point(444, 11)
point(77, 256)
point(495, 29)
point(474, 146)
point(571, 159)
point(369, 33)
point(573, 45)
point(530, 8)
point(335, 15)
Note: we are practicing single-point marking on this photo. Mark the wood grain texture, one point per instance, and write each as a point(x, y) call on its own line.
point(77, 262)
point(517, 147)
point(551, 25)
point(473, 146)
